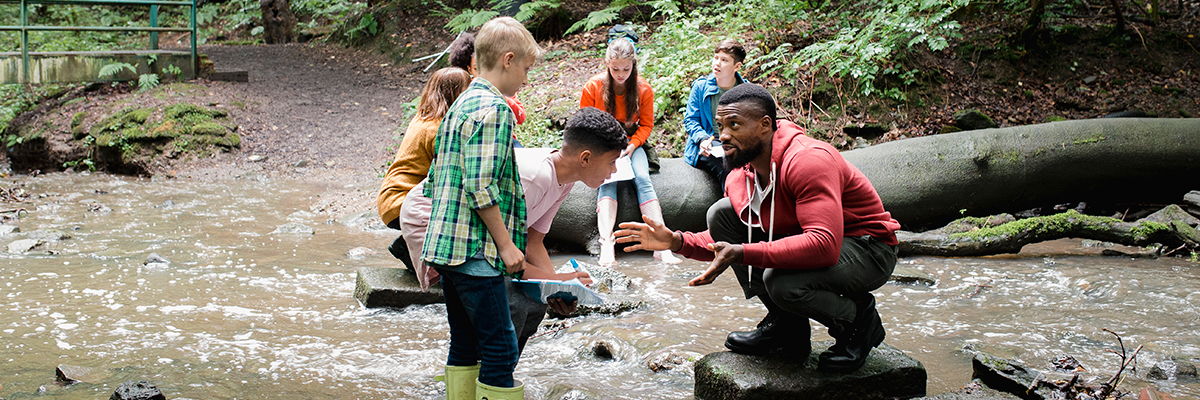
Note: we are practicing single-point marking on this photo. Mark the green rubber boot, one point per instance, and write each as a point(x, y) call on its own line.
point(460, 382)
point(485, 392)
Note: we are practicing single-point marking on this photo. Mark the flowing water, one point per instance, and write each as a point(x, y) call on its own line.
point(244, 313)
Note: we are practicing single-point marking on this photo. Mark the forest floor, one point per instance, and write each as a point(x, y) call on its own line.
point(332, 114)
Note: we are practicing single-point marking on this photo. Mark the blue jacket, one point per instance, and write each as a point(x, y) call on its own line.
point(698, 120)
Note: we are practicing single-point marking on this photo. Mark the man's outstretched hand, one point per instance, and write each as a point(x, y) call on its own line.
point(724, 254)
point(651, 236)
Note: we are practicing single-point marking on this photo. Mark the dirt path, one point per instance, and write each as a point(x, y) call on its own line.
point(315, 112)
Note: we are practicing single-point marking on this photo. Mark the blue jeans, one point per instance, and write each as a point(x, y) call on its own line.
point(641, 178)
point(481, 330)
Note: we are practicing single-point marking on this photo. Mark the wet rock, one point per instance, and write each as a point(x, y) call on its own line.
point(973, 119)
point(48, 235)
point(1192, 198)
point(1171, 370)
point(167, 204)
point(99, 208)
point(1139, 253)
point(365, 220)
point(974, 391)
point(23, 245)
point(888, 373)
point(256, 158)
point(294, 228)
point(669, 359)
point(140, 390)
point(912, 276)
point(614, 304)
point(604, 350)
point(606, 279)
point(1172, 213)
point(393, 288)
point(1003, 374)
point(69, 374)
point(560, 392)
point(301, 216)
point(6, 229)
point(155, 260)
point(300, 164)
point(359, 253)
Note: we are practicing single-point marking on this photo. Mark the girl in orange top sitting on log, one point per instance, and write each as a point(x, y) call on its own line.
point(620, 92)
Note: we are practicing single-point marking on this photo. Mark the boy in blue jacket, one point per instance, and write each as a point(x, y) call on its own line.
point(702, 108)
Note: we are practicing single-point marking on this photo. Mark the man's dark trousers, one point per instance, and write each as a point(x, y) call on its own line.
point(864, 264)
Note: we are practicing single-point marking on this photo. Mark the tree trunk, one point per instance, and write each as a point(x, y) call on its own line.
point(973, 237)
point(1029, 34)
point(1116, 5)
point(278, 22)
point(928, 181)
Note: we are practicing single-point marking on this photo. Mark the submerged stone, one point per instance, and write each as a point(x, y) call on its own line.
point(912, 276)
point(294, 228)
point(23, 245)
point(888, 373)
point(69, 374)
point(393, 288)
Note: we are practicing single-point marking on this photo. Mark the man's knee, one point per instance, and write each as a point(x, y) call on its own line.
point(722, 221)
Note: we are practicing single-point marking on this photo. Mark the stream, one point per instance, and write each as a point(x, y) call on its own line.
point(241, 312)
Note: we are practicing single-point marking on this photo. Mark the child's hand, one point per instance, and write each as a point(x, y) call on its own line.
point(514, 259)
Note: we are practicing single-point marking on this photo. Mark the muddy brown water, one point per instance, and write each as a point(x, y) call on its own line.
point(244, 313)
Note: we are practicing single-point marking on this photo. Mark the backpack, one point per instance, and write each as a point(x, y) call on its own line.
point(622, 31)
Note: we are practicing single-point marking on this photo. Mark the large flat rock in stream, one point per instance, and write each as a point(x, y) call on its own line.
point(393, 288)
point(888, 374)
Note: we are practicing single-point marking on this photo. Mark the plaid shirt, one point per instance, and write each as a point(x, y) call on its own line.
point(474, 168)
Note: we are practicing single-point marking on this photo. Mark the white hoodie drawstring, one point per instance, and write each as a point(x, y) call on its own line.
point(750, 226)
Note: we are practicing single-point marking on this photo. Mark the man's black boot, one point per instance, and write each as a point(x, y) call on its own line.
point(778, 331)
point(854, 341)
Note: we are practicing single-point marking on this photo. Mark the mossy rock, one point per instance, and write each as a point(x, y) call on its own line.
point(128, 122)
point(77, 131)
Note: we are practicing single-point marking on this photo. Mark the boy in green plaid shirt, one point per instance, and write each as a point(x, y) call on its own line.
point(476, 233)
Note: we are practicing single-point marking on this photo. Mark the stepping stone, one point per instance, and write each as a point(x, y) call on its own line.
point(393, 288)
point(889, 373)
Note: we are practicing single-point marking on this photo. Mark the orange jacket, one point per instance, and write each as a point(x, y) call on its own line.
point(593, 96)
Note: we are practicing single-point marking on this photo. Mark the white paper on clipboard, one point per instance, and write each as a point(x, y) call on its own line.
point(624, 171)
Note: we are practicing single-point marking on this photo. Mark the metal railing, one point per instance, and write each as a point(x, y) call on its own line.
point(154, 29)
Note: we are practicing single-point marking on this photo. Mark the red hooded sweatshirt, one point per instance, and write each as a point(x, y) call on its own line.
point(818, 199)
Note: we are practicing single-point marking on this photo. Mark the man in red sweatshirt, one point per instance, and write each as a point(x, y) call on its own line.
point(803, 230)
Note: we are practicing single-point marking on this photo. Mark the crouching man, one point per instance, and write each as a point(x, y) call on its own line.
point(803, 230)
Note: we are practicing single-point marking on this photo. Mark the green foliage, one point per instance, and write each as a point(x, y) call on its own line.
point(367, 27)
point(596, 19)
point(111, 70)
point(147, 82)
point(534, 8)
point(16, 99)
point(871, 47)
point(473, 17)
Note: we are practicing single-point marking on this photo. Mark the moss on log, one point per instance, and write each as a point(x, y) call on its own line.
point(971, 237)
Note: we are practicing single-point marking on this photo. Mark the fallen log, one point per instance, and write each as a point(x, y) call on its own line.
point(926, 182)
point(973, 237)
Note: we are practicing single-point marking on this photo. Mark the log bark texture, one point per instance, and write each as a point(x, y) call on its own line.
point(929, 181)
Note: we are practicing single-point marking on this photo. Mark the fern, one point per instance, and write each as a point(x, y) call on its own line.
point(147, 82)
point(533, 8)
point(595, 19)
point(116, 68)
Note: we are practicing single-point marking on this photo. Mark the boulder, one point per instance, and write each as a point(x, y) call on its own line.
point(1172, 370)
point(393, 288)
point(889, 373)
point(1172, 213)
point(972, 119)
point(155, 260)
point(1192, 198)
point(1003, 374)
point(140, 390)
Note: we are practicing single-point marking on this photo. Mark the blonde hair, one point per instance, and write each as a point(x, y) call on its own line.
point(622, 49)
point(503, 35)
